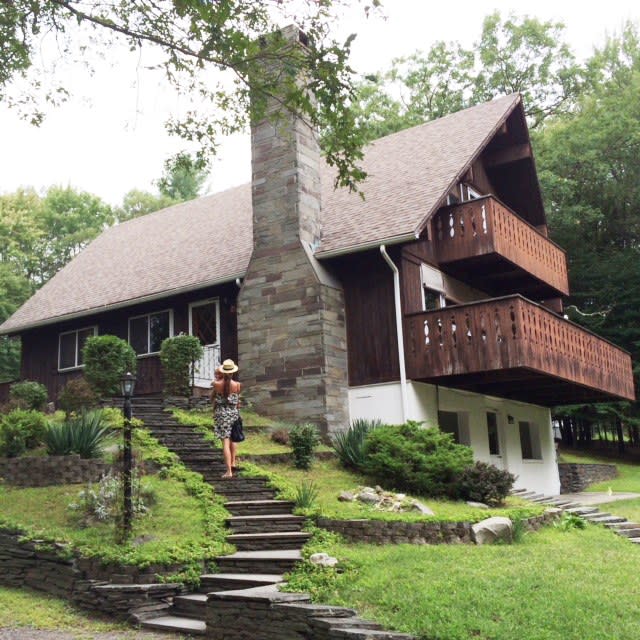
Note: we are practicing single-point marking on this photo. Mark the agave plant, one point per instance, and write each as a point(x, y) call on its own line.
point(349, 444)
point(86, 435)
point(306, 494)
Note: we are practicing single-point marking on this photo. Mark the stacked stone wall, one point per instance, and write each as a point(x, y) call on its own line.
point(577, 477)
point(51, 470)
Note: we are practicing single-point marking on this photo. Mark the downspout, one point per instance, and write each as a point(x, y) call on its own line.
point(398, 307)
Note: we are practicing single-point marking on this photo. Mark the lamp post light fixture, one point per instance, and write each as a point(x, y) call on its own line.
point(127, 385)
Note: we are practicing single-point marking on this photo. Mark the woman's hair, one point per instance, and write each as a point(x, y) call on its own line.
point(227, 386)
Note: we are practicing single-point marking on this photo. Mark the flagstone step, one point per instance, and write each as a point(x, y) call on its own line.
point(274, 561)
point(235, 581)
point(192, 605)
point(258, 507)
point(234, 495)
point(268, 541)
point(582, 511)
point(176, 624)
point(632, 532)
point(265, 523)
point(623, 524)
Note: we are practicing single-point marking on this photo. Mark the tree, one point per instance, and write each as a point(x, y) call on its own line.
point(191, 39)
point(14, 290)
point(138, 203)
point(183, 177)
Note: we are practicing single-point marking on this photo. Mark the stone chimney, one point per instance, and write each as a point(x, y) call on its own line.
point(291, 324)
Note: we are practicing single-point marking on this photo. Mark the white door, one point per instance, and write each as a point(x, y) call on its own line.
point(204, 323)
point(496, 441)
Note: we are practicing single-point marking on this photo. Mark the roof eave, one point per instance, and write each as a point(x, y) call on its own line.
point(373, 244)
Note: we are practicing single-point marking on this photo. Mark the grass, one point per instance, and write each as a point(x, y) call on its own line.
point(554, 585)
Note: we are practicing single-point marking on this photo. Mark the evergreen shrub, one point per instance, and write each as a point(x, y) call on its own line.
point(21, 429)
point(28, 394)
point(304, 438)
point(177, 356)
point(485, 483)
point(106, 359)
point(76, 396)
point(408, 457)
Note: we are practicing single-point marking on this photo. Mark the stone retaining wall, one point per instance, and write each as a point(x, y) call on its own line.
point(51, 470)
point(394, 532)
point(50, 568)
point(577, 477)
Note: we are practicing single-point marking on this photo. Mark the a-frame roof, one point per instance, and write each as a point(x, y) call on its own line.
point(209, 240)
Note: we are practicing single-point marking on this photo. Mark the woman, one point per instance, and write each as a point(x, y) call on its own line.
point(226, 400)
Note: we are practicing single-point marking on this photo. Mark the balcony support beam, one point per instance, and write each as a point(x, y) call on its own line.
point(508, 155)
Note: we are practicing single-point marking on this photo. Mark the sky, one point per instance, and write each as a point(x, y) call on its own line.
point(110, 138)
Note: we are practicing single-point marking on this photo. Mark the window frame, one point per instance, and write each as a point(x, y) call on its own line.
point(535, 441)
point(75, 366)
point(148, 316)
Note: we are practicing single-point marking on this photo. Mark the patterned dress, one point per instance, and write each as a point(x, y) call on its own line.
point(225, 413)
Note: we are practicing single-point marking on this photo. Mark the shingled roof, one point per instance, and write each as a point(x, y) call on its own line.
point(209, 240)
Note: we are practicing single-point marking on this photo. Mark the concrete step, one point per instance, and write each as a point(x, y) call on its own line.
point(176, 624)
point(259, 507)
point(268, 541)
point(265, 523)
point(233, 581)
point(191, 605)
point(274, 562)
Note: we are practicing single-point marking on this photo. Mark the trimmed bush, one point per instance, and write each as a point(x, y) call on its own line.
point(28, 394)
point(177, 355)
point(423, 461)
point(485, 483)
point(21, 429)
point(107, 359)
point(76, 396)
point(349, 444)
point(280, 436)
point(304, 439)
point(85, 435)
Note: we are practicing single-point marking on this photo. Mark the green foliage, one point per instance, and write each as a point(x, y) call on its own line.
point(21, 429)
point(76, 396)
point(177, 356)
point(306, 495)
point(107, 358)
point(349, 444)
point(485, 483)
point(570, 522)
point(420, 460)
point(183, 177)
point(86, 435)
point(29, 394)
point(304, 438)
point(136, 203)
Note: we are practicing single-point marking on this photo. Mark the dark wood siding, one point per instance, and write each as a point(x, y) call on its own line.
point(40, 346)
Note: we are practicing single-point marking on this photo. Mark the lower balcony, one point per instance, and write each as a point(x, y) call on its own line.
point(513, 348)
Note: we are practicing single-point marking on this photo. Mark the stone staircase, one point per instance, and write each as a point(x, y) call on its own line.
point(618, 524)
point(268, 539)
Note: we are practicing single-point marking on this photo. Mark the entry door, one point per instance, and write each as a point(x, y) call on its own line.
point(494, 434)
point(204, 323)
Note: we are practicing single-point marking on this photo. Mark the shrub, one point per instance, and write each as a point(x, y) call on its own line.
point(349, 444)
point(418, 460)
point(21, 429)
point(281, 436)
point(29, 394)
point(107, 359)
point(76, 396)
point(177, 356)
point(85, 435)
point(485, 483)
point(304, 439)
point(306, 494)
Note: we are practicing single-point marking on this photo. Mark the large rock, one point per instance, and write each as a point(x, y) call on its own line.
point(492, 530)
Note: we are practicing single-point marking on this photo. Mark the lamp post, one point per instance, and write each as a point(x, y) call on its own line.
point(127, 384)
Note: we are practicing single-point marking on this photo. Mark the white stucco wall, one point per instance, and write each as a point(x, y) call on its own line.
point(384, 401)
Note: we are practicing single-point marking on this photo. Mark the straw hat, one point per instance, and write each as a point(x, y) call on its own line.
point(228, 367)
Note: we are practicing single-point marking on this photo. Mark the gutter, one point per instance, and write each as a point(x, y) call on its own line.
point(374, 244)
point(398, 308)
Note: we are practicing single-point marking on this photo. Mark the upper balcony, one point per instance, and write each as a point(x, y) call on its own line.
point(513, 348)
point(484, 243)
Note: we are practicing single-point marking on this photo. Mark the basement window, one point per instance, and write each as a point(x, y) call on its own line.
point(530, 441)
point(455, 423)
point(70, 345)
point(147, 332)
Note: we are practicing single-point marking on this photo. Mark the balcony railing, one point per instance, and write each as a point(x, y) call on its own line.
point(511, 347)
point(485, 226)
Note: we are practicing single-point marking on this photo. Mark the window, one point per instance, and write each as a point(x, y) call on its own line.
point(530, 441)
point(492, 432)
point(432, 299)
point(147, 332)
point(456, 424)
point(70, 345)
point(467, 192)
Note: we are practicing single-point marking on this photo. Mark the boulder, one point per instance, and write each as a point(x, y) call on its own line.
point(492, 530)
point(369, 497)
point(346, 496)
point(477, 505)
point(323, 559)
point(422, 508)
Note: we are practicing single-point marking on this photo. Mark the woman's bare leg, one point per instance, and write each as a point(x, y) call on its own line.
point(233, 448)
point(226, 452)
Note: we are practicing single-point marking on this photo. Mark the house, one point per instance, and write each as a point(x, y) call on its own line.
point(438, 297)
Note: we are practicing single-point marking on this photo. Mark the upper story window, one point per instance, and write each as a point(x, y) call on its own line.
point(147, 332)
point(70, 345)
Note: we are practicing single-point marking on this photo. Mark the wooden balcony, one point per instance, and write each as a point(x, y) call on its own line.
point(484, 243)
point(512, 348)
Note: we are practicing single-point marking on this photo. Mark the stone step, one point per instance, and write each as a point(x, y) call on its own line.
point(535, 497)
point(623, 524)
point(191, 605)
point(635, 540)
point(245, 482)
point(598, 517)
point(176, 624)
point(273, 562)
point(629, 533)
point(540, 499)
point(515, 492)
point(368, 634)
point(559, 502)
point(233, 581)
point(352, 622)
point(259, 507)
point(233, 495)
point(582, 511)
point(268, 541)
point(272, 522)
